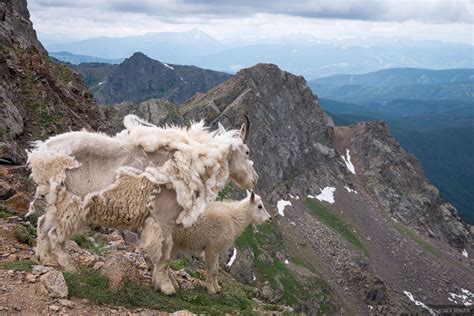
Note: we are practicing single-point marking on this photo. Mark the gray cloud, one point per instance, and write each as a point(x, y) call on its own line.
point(437, 11)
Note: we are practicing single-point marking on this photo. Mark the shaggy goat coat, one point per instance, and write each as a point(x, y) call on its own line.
point(80, 167)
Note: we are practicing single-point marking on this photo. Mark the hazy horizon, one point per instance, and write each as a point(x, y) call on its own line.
point(69, 21)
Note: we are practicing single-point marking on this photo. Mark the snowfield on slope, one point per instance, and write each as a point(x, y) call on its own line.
point(281, 206)
point(327, 195)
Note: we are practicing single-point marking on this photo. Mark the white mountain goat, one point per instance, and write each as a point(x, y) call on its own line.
point(146, 178)
point(216, 231)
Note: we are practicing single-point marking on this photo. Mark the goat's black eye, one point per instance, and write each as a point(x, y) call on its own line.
point(247, 152)
point(260, 206)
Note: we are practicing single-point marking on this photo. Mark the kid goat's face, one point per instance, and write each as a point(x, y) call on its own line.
point(259, 213)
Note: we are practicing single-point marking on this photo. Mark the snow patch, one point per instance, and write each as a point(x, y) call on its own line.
point(418, 303)
point(254, 277)
point(281, 206)
point(347, 161)
point(232, 259)
point(168, 66)
point(465, 298)
point(350, 190)
point(292, 223)
point(394, 219)
point(327, 194)
point(101, 83)
point(286, 261)
point(291, 196)
point(464, 253)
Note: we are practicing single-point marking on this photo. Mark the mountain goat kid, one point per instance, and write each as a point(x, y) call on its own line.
point(216, 231)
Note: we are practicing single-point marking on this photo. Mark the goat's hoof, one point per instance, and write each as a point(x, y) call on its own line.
point(211, 290)
point(168, 289)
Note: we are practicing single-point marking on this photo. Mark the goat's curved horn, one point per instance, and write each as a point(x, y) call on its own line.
point(218, 119)
point(245, 135)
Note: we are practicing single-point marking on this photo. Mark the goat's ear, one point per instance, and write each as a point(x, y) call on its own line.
point(248, 193)
point(221, 128)
point(252, 197)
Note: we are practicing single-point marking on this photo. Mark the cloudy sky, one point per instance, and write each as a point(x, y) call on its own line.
point(450, 20)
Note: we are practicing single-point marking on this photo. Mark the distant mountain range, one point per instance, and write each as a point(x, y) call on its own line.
point(300, 54)
point(398, 83)
point(140, 78)
point(78, 59)
point(431, 113)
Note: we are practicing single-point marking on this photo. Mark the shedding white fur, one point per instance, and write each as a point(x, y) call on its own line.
point(92, 178)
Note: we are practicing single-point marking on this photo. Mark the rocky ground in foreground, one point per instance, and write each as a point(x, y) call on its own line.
point(112, 278)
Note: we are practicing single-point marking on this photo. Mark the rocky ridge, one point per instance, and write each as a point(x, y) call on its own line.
point(396, 181)
point(140, 78)
point(39, 97)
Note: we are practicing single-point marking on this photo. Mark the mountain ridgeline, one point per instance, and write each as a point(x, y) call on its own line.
point(301, 54)
point(140, 78)
point(430, 112)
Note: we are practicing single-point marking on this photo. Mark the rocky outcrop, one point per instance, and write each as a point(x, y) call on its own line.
point(396, 181)
point(38, 96)
point(140, 78)
point(291, 138)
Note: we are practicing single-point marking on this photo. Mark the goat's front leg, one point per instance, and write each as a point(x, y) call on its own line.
point(161, 272)
point(58, 237)
point(212, 263)
point(43, 246)
point(156, 243)
point(216, 284)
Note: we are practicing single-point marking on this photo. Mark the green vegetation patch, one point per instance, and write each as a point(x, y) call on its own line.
point(178, 264)
point(226, 192)
point(411, 234)
point(21, 265)
point(276, 272)
point(84, 242)
point(91, 285)
point(24, 234)
point(4, 212)
point(334, 222)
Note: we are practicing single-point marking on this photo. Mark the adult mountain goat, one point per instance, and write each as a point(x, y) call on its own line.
point(146, 178)
point(217, 229)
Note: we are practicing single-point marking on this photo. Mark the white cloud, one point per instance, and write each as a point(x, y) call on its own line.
point(429, 19)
